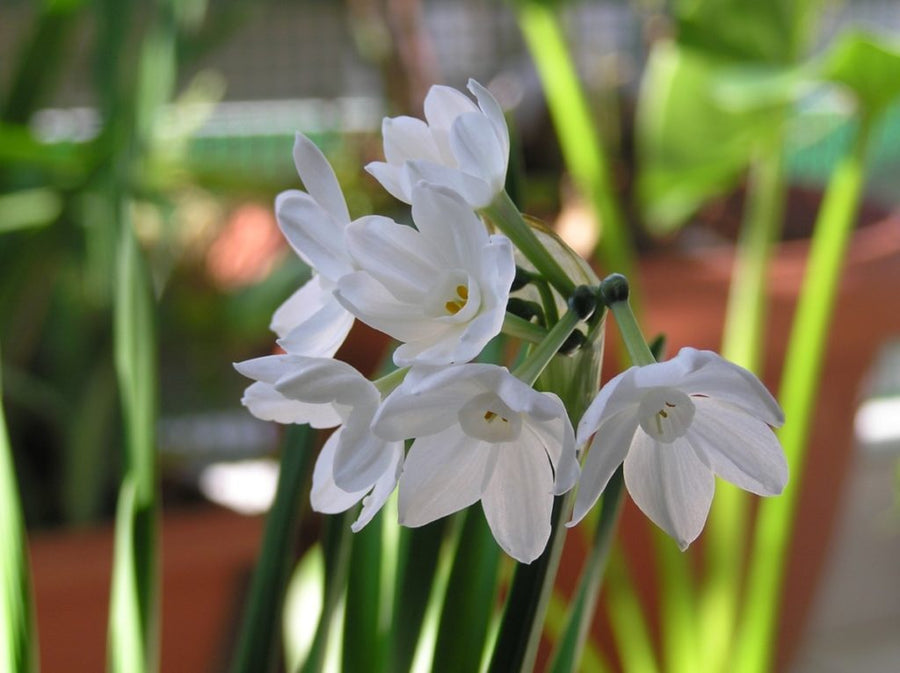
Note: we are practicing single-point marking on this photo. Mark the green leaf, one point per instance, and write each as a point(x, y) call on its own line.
point(416, 571)
point(365, 631)
point(29, 208)
point(134, 603)
point(765, 31)
point(694, 140)
point(18, 644)
point(258, 647)
point(470, 600)
point(867, 64)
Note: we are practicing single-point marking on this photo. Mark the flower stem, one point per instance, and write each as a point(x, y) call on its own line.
point(614, 290)
point(520, 328)
point(504, 214)
point(540, 357)
point(754, 647)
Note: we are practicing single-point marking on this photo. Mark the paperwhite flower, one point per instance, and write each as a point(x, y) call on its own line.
point(327, 393)
point(481, 434)
point(676, 424)
point(441, 289)
point(462, 147)
point(311, 322)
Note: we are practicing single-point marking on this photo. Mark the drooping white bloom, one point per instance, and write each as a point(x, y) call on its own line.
point(675, 425)
point(311, 322)
point(441, 289)
point(460, 146)
point(327, 393)
point(481, 434)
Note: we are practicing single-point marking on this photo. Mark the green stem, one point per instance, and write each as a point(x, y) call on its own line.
point(581, 145)
point(677, 599)
point(540, 357)
point(520, 328)
point(798, 393)
point(504, 214)
point(742, 343)
point(388, 382)
point(258, 643)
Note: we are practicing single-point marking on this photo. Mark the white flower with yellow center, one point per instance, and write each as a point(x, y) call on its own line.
point(481, 434)
point(675, 425)
point(460, 146)
point(326, 393)
point(441, 289)
point(311, 322)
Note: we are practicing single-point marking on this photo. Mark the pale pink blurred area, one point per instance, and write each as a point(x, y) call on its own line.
point(247, 248)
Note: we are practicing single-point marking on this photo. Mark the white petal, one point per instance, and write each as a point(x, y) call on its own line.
point(268, 368)
point(361, 456)
point(319, 179)
point(557, 439)
point(474, 190)
point(395, 255)
point(738, 447)
point(607, 452)
point(443, 104)
point(518, 499)
point(326, 496)
point(494, 113)
point(320, 334)
point(385, 485)
point(670, 485)
point(422, 406)
point(327, 381)
point(618, 394)
point(313, 233)
point(449, 224)
point(394, 179)
point(268, 404)
point(299, 306)
point(407, 138)
point(718, 378)
point(478, 151)
point(443, 473)
point(372, 303)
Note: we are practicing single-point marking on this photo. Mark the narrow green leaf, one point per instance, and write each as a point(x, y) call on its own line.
point(259, 645)
point(471, 598)
point(18, 641)
point(581, 614)
point(580, 142)
point(133, 631)
point(365, 634)
point(798, 392)
point(29, 208)
point(419, 554)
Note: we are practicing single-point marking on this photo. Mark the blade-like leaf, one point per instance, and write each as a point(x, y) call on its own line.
point(18, 644)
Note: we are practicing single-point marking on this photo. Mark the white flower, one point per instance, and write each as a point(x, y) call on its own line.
point(327, 393)
point(676, 424)
point(441, 289)
point(311, 322)
point(462, 147)
point(481, 434)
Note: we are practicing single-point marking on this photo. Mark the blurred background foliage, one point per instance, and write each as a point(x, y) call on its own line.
point(176, 117)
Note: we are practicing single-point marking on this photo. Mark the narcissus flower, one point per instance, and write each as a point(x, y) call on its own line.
point(481, 434)
point(311, 322)
point(441, 289)
point(460, 146)
point(675, 425)
point(327, 393)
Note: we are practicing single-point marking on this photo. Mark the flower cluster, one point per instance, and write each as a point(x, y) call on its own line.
point(443, 289)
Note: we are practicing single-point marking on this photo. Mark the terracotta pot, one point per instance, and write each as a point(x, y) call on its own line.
point(207, 558)
point(685, 298)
